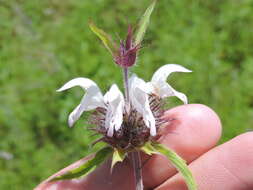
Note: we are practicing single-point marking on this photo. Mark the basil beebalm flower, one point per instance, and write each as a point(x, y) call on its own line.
point(115, 120)
point(129, 122)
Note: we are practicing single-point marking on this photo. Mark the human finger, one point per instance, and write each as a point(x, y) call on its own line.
point(194, 130)
point(228, 166)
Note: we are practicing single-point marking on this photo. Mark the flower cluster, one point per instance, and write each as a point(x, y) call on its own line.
point(126, 125)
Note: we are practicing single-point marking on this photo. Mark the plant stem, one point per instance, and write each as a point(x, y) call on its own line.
point(135, 156)
point(136, 159)
point(126, 85)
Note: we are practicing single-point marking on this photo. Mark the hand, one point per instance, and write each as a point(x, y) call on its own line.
point(193, 134)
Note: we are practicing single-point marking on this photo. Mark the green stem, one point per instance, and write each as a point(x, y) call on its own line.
point(126, 84)
point(136, 160)
point(135, 156)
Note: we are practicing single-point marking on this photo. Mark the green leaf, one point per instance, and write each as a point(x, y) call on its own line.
point(179, 163)
point(104, 37)
point(148, 149)
point(143, 24)
point(88, 166)
point(118, 156)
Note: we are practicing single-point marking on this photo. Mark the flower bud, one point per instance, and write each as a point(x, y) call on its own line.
point(127, 53)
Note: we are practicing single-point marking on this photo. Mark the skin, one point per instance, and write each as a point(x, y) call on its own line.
point(193, 134)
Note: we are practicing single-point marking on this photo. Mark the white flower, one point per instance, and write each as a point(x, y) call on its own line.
point(160, 87)
point(140, 90)
point(139, 101)
point(114, 115)
point(113, 102)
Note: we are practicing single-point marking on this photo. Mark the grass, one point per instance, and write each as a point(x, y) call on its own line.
point(45, 43)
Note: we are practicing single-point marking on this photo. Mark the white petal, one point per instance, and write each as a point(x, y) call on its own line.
point(91, 100)
point(150, 88)
point(181, 96)
point(141, 104)
point(165, 90)
point(110, 131)
point(115, 106)
point(139, 100)
point(149, 121)
point(163, 72)
point(113, 94)
point(74, 116)
point(136, 82)
point(161, 87)
point(84, 83)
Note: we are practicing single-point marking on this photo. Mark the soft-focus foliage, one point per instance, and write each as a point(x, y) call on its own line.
point(45, 43)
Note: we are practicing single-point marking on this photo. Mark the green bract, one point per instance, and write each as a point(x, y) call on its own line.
point(143, 24)
point(118, 156)
point(104, 37)
point(139, 35)
point(88, 166)
point(176, 160)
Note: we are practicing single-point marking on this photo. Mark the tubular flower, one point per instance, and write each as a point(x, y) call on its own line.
point(113, 102)
point(140, 101)
point(160, 87)
point(114, 115)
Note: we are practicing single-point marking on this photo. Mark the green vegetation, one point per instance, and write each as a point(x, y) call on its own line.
point(45, 43)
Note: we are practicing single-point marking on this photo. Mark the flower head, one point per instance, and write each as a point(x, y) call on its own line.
point(121, 126)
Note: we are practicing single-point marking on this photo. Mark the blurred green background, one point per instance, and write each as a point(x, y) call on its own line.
point(45, 43)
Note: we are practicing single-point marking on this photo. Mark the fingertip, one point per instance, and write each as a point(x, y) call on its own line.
point(228, 166)
point(237, 156)
point(192, 130)
point(196, 128)
point(197, 113)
